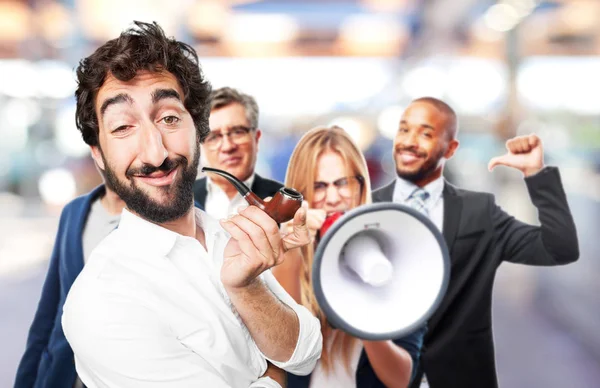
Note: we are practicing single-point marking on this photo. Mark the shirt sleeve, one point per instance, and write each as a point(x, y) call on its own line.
point(413, 343)
point(310, 340)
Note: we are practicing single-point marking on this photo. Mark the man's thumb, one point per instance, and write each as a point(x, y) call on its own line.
point(497, 161)
point(300, 219)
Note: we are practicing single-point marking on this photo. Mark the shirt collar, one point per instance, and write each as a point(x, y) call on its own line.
point(211, 186)
point(148, 238)
point(403, 189)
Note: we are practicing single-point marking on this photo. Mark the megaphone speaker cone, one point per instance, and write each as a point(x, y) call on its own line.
point(380, 271)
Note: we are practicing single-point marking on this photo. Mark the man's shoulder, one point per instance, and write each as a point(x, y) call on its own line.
point(264, 187)
point(384, 193)
point(200, 182)
point(108, 270)
point(451, 189)
point(80, 203)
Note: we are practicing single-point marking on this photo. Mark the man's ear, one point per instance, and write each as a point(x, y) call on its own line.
point(452, 147)
point(97, 156)
point(257, 135)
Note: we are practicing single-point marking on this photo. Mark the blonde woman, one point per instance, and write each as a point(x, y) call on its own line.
point(330, 171)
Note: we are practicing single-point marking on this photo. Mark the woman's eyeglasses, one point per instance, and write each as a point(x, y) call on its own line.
point(347, 187)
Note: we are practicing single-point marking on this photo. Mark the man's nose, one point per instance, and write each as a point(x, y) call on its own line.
point(227, 144)
point(409, 140)
point(153, 150)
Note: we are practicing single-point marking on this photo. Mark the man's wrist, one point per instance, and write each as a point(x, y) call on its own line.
point(528, 172)
point(242, 292)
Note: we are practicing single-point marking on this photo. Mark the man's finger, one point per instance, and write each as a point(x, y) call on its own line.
point(267, 224)
point(497, 161)
point(300, 221)
point(300, 235)
point(257, 236)
point(534, 140)
point(243, 240)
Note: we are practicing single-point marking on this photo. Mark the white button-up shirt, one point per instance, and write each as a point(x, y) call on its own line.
point(218, 205)
point(434, 204)
point(149, 310)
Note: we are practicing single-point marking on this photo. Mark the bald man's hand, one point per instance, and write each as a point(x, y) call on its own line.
point(525, 153)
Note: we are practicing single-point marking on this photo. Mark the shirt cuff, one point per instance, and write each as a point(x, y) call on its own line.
point(308, 347)
point(265, 382)
point(542, 171)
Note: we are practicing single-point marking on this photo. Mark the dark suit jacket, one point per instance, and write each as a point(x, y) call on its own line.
point(261, 186)
point(48, 358)
point(459, 350)
point(365, 375)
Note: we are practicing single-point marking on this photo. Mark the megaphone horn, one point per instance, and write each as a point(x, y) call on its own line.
point(380, 271)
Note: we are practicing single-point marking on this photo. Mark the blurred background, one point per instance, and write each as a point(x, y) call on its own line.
point(508, 67)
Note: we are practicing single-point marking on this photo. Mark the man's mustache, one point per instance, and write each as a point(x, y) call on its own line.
point(147, 169)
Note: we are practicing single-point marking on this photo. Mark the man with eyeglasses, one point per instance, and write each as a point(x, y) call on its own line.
point(231, 145)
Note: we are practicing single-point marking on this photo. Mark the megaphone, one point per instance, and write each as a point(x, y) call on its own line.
point(380, 271)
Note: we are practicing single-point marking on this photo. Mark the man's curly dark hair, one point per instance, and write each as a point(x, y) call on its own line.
point(143, 47)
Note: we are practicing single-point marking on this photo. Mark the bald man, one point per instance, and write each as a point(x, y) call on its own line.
point(458, 349)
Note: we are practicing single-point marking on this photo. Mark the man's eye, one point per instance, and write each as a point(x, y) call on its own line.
point(320, 186)
point(121, 128)
point(170, 120)
point(212, 136)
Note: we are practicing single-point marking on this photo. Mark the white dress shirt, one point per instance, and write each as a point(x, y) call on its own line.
point(218, 205)
point(434, 204)
point(149, 310)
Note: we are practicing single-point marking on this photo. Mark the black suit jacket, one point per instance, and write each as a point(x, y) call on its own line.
point(458, 348)
point(261, 186)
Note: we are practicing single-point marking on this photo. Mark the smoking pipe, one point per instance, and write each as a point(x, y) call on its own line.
point(281, 207)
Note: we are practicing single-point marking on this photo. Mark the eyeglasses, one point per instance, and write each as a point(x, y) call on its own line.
point(238, 135)
point(347, 187)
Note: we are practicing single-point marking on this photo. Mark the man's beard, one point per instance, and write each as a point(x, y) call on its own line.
point(138, 201)
point(429, 166)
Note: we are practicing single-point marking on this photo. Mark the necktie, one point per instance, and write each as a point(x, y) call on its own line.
point(418, 201)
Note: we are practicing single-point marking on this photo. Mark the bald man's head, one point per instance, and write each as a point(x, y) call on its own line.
point(425, 139)
point(451, 126)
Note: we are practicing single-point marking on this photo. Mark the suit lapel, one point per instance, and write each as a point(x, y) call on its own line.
point(257, 187)
point(452, 208)
point(200, 193)
point(73, 238)
point(386, 193)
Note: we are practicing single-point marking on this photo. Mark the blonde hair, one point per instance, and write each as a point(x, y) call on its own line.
point(301, 175)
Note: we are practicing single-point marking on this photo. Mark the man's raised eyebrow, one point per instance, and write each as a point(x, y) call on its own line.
point(118, 99)
point(161, 94)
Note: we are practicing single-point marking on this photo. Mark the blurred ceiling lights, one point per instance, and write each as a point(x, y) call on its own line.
point(506, 14)
point(388, 5)
point(372, 35)
point(260, 34)
point(15, 21)
point(105, 19)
